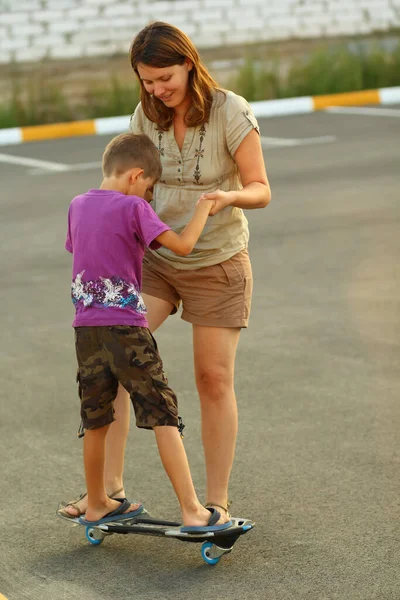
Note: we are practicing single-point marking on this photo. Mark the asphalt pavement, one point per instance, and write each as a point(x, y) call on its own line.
point(317, 380)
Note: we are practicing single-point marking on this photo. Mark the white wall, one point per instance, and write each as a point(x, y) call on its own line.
point(34, 29)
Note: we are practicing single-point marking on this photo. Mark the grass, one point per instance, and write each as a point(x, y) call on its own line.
point(41, 103)
point(113, 101)
point(326, 71)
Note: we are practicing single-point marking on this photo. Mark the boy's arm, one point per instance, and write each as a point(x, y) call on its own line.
point(183, 243)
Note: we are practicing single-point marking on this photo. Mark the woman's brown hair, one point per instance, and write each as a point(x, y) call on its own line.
point(162, 45)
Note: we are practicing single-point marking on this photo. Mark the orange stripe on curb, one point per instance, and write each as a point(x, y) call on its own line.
point(348, 99)
point(57, 130)
point(2, 597)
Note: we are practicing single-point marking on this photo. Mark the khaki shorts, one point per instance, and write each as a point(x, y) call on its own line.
point(216, 296)
point(127, 355)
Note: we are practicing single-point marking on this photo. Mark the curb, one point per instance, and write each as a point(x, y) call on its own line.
point(266, 108)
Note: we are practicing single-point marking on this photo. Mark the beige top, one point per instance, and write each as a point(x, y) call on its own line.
point(205, 164)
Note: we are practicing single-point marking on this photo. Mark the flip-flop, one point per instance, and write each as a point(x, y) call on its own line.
point(215, 517)
point(115, 515)
point(62, 512)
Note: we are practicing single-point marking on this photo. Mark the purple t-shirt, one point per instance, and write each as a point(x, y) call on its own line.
point(107, 235)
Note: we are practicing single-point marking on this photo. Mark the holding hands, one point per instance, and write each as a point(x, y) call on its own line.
point(220, 199)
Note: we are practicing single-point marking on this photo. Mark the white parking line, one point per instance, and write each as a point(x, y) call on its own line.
point(44, 165)
point(368, 111)
point(267, 142)
point(78, 167)
point(271, 142)
point(41, 167)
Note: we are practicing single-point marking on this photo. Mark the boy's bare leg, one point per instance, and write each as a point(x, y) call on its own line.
point(114, 453)
point(115, 444)
point(174, 459)
point(158, 311)
point(99, 503)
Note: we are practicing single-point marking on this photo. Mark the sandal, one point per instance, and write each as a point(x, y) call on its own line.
point(115, 515)
point(62, 512)
point(224, 508)
point(211, 525)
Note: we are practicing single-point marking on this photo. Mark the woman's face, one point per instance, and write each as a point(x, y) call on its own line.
point(168, 84)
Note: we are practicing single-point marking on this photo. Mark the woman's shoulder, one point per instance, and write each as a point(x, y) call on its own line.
point(229, 103)
point(237, 118)
point(139, 123)
point(223, 98)
point(136, 120)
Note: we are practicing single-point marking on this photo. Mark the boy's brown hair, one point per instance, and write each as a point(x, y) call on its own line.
point(129, 150)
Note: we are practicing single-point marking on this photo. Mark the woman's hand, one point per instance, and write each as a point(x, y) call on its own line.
point(221, 200)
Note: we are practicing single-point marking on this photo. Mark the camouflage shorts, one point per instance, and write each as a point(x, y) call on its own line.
point(127, 355)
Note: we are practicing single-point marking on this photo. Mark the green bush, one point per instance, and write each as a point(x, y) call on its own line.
point(326, 71)
point(114, 101)
point(8, 118)
point(40, 103)
point(255, 83)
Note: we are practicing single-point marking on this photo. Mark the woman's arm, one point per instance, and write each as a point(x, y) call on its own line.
point(256, 192)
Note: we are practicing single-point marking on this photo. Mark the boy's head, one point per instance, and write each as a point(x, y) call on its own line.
point(132, 162)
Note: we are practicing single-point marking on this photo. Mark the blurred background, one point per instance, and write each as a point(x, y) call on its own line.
point(63, 60)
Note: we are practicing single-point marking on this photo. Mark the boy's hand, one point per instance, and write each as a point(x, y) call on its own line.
point(220, 200)
point(203, 202)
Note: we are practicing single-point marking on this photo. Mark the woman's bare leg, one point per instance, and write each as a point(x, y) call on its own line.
point(214, 358)
point(157, 311)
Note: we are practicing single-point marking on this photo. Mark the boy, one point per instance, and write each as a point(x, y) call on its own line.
point(108, 230)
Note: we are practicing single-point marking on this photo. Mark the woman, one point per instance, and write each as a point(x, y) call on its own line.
point(210, 147)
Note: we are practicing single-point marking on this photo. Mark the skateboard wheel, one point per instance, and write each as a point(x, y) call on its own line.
point(94, 536)
point(207, 555)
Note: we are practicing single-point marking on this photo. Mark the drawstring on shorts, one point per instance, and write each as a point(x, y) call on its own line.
point(81, 430)
point(181, 426)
